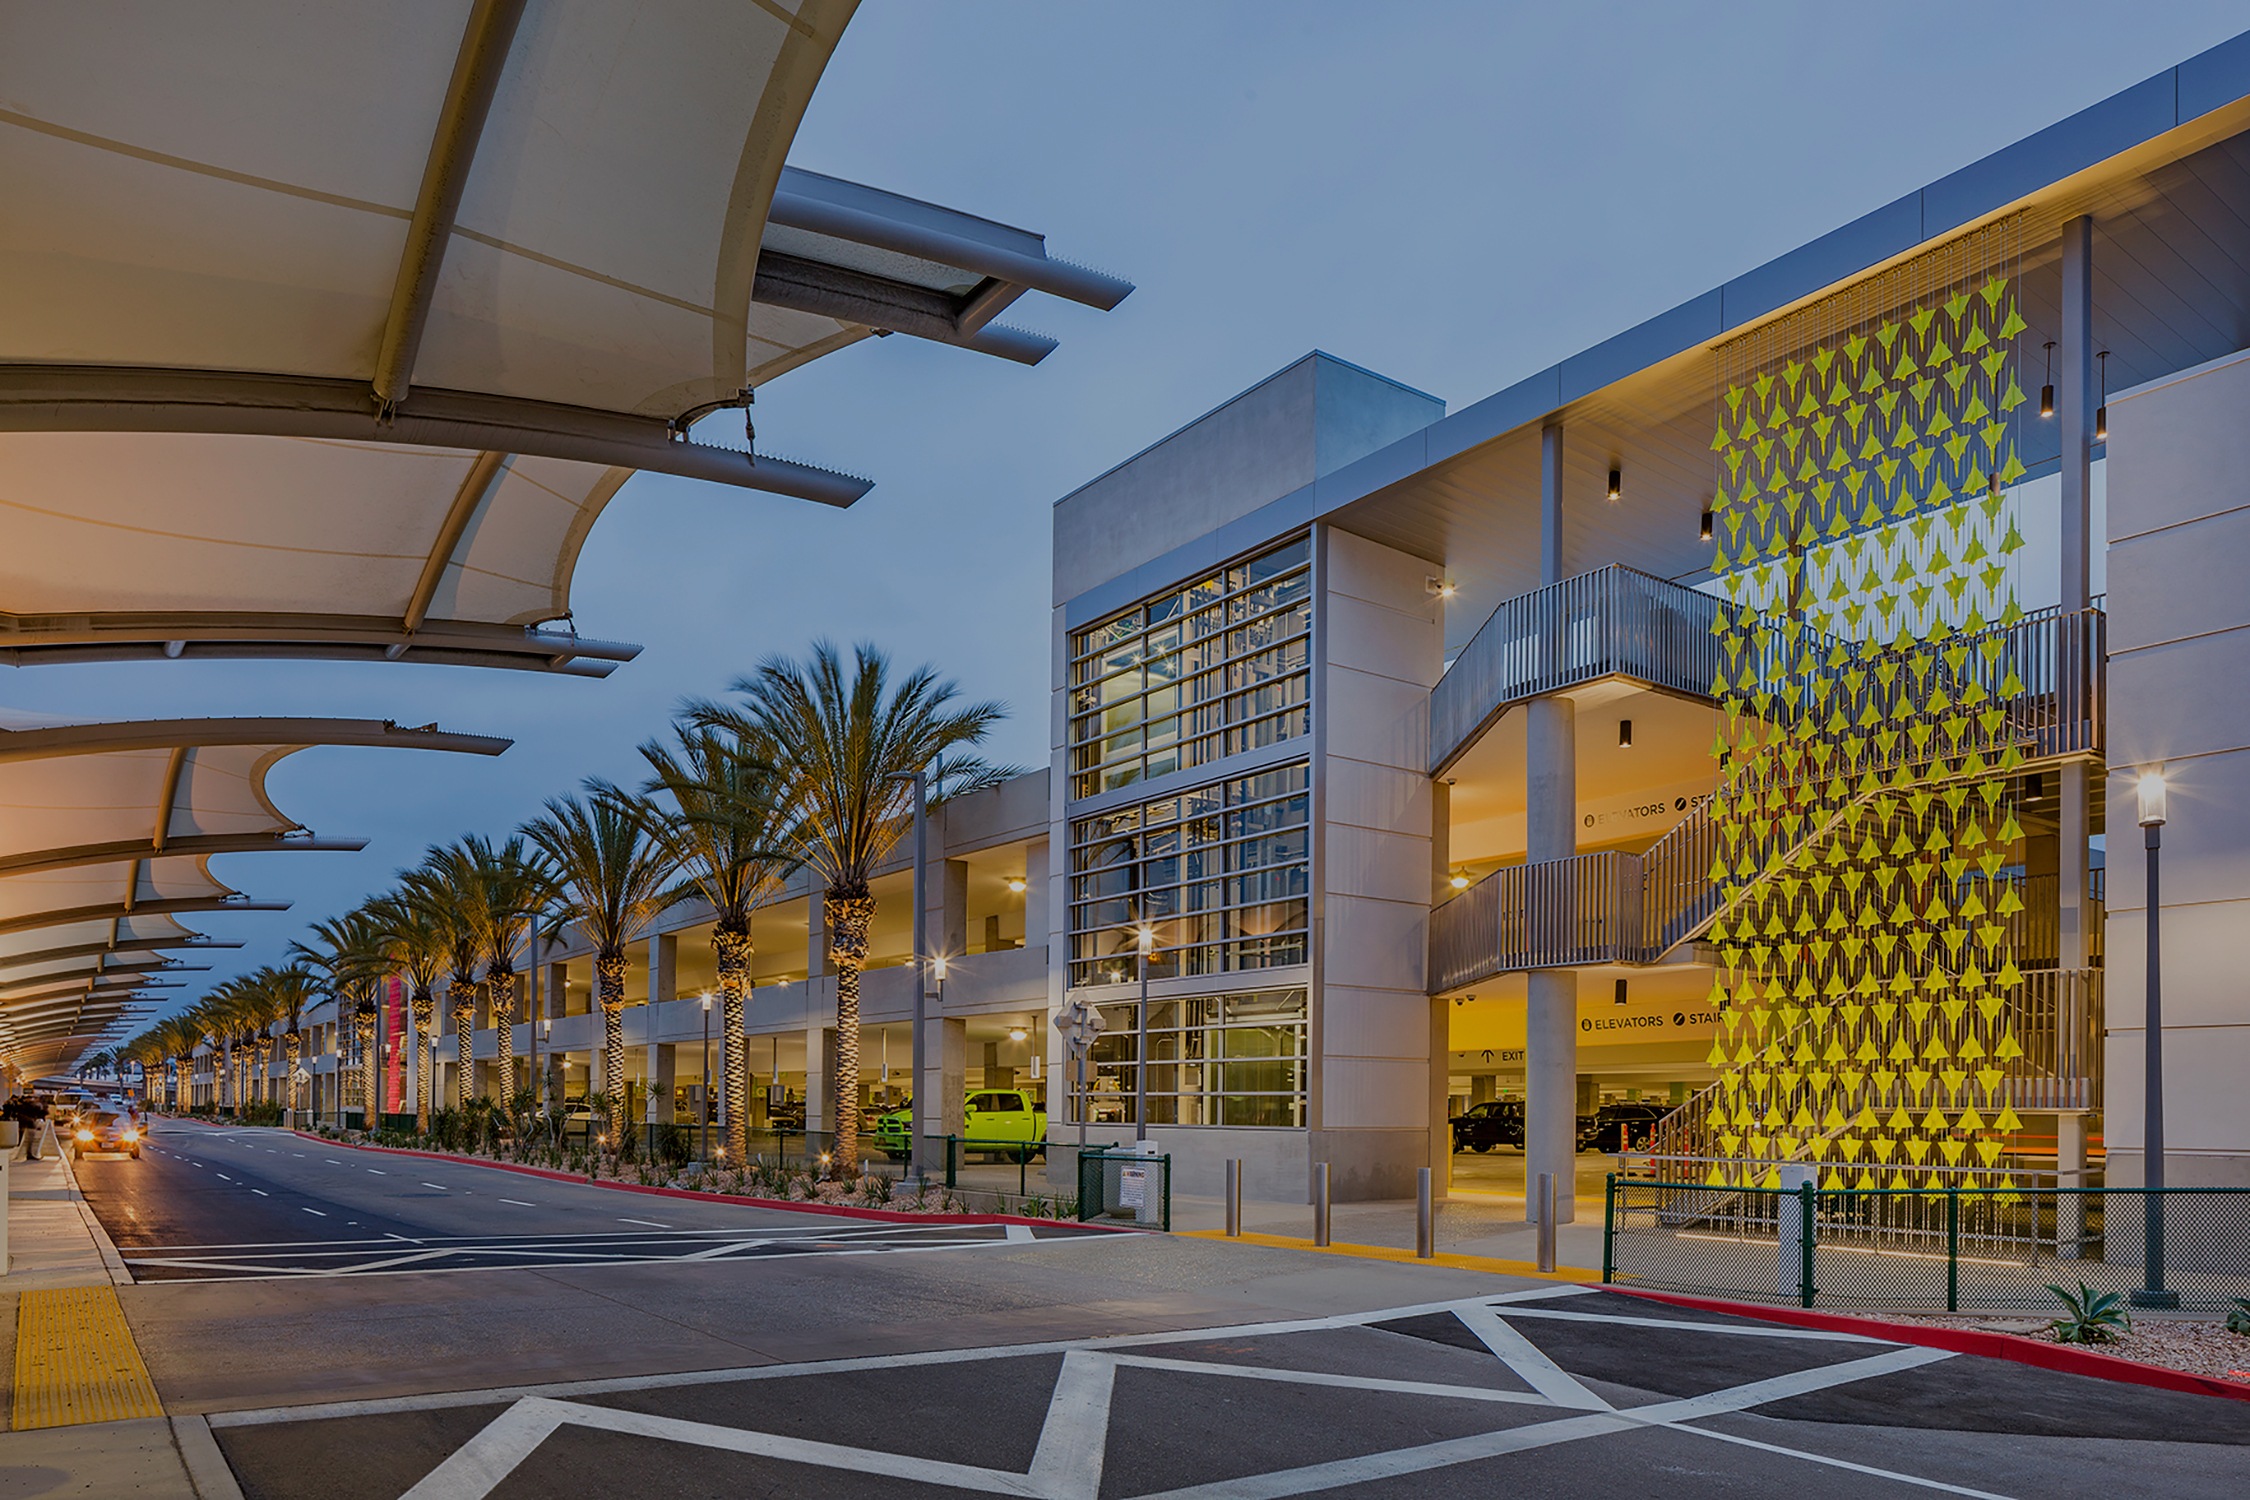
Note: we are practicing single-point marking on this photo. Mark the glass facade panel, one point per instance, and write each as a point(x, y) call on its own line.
point(1213, 1060)
point(1212, 668)
point(1222, 873)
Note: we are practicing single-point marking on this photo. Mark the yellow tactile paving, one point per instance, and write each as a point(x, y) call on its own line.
point(76, 1361)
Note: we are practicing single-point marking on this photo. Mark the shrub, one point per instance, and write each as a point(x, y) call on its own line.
point(2090, 1317)
point(2238, 1316)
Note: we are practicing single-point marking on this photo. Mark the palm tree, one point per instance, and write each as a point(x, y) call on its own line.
point(843, 742)
point(614, 880)
point(416, 941)
point(444, 887)
point(290, 989)
point(509, 890)
point(351, 954)
point(208, 1021)
point(732, 843)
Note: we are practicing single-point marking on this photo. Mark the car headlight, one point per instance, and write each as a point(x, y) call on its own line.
point(85, 1135)
point(131, 1134)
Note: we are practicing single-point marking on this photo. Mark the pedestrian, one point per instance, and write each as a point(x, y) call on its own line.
point(30, 1114)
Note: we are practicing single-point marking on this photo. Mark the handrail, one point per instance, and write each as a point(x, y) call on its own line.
point(1612, 622)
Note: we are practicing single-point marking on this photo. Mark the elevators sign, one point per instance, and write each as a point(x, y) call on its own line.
point(1667, 1009)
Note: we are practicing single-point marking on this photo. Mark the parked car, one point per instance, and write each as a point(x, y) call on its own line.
point(105, 1132)
point(997, 1116)
point(1620, 1127)
point(1495, 1122)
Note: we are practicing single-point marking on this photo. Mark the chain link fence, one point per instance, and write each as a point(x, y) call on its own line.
point(1953, 1247)
point(1125, 1185)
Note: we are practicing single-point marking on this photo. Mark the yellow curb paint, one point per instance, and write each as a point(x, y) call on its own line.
point(76, 1361)
point(1406, 1257)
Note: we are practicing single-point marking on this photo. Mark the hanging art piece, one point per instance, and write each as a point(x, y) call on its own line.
point(1866, 530)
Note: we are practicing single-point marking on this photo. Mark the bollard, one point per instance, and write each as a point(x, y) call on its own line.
point(1320, 1203)
point(1425, 1226)
point(1234, 1198)
point(1546, 1221)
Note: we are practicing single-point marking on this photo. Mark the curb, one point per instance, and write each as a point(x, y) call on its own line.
point(2063, 1358)
point(1392, 1254)
point(836, 1210)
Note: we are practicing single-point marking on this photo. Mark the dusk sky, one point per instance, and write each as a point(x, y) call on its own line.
point(1452, 194)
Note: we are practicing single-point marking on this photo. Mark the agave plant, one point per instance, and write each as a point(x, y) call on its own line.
point(2090, 1317)
point(2238, 1316)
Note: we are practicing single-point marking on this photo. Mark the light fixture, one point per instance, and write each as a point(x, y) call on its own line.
point(707, 1002)
point(1624, 734)
point(937, 966)
point(1438, 588)
point(2151, 789)
point(2047, 391)
point(1146, 938)
point(1017, 885)
point(2101, 412)
point(1616, 484)
point(1017, 1033)
point(1620, 992)
point(1460, 881)
point(1703, 529)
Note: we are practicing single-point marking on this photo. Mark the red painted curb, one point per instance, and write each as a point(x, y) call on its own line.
point(2068, 1359)
point(838, 1210)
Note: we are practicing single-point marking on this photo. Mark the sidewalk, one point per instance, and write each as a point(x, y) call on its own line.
point(1488, 1226)
point(80, 1415)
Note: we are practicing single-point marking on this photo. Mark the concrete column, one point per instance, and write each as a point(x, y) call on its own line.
point(818, 1070)
point(1035, 894)
point(662, 1056)
point(949, 906)
point(1440, 1084)
point(555, 989)
point(953, 1073)
point(663, 987)
point(816, 937)
point(1589, 1093)
point(2074, 412)
point(1551, 832)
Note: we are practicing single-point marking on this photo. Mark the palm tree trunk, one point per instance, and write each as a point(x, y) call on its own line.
point(733, 950)
point(368, 1104)
point(293, 1049)
point(465, 1034)
point(265, 1070)
point(609, 981)
point(421, 1011)
point(502, 988)
point(849, 918)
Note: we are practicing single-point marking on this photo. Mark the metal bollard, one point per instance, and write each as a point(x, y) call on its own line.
point(1234, 1198)
point(1425, 1224)
point(1546, 1221)
point(1320, 1203)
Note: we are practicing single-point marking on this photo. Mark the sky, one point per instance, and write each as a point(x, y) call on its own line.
point(1452, 194)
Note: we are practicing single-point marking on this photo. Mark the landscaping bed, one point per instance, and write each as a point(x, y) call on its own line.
point(2194, 1346)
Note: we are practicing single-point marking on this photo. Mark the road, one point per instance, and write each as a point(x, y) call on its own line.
point(355, 1326)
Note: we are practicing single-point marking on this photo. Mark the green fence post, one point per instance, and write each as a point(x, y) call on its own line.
point(952, 1161)
point(1609, 1227)
point(1953, 1247)
point(1807, 1199)
point(1086, 1199)
point(1167, 1192)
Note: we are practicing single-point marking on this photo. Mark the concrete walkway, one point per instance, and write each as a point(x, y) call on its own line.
point(67, 1356)
point(1486, 1226)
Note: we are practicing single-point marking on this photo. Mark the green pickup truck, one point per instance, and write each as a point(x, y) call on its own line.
point(990, 1119)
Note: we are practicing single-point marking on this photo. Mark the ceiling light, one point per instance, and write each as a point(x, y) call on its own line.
point(1616, 484)
point(1460, 881)
point(1016, 885)
point(2047, 391)
point(1017, 1033)
point(1438, 588)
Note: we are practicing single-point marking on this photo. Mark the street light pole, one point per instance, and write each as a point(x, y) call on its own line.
point(1144, 941)
point(917, 1116)
point(705, 1086)
point(2152, 1292)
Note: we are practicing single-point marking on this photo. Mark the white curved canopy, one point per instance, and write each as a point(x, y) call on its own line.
point(481, 259)
point(106, 836)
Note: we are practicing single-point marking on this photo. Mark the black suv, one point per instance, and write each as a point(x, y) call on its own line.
point(1620, 1127)
point(1495, 1122)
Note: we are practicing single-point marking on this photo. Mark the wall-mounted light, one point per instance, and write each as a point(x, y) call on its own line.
point(1703, 527)
point(1616, 484)
point(1439, 588)
point(1624, 734)
point(1017, 885)
point(1620, 997)
point(2047, 391)
point(937, 967)
point(1460, 880)
point(1017, 1033)
point(2101, 412)
point(1145, 939)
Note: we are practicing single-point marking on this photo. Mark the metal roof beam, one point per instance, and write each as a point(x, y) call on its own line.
point(122, 945)
point(483, 475)
point(35, 640)
point(157, 734)
point(453, 149)
point(38, 861)
point(68, 916)
point(849, 296)
point(108, 398)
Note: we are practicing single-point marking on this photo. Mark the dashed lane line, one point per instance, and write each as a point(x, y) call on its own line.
point(316, 1211)
point(518, 1202)
point(261, 1192)
point(439, 1186)
point(650, 1223)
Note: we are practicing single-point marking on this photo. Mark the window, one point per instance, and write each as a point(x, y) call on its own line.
point(1221, 873)
point(1213, 668)
point(1213, 1060)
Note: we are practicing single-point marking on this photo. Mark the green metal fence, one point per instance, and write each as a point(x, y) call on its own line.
point(1953, 1247)
point(1128, 1185)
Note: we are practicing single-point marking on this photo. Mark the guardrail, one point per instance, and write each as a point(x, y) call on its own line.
point(1611, 622)
point(1980, 1239)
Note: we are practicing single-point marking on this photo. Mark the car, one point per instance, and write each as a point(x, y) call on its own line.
point(989, 1117)
point(107, 1132)
point(1495, 1122)
point(1620, 1127)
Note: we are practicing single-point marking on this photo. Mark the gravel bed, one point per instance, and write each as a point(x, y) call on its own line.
point(2199, 1346)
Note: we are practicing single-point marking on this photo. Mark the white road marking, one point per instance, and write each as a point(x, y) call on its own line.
point(1844, 1463)
point(378, 1171)
point(1527, 1360)
point(261, 1192)
point(332, 1161)
point(316, 1211)
point(433, 1185)
point(223, 1177)
point(651, 1223)
point(518, 1202)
